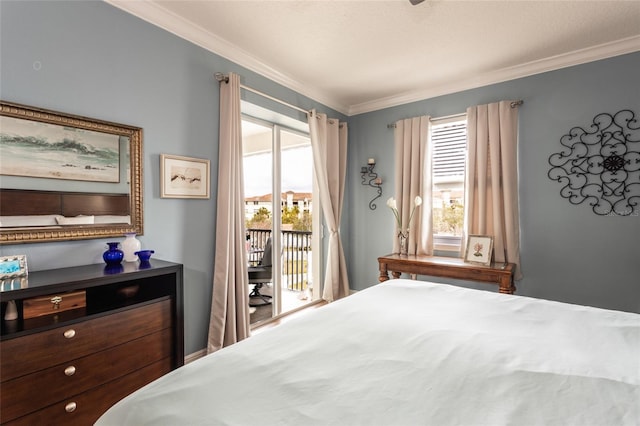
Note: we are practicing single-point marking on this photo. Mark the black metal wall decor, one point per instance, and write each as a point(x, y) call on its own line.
point(369, 177)
point(601, 164)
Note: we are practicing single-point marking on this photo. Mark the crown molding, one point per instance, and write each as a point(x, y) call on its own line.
point(582, 56)
point(157, 15)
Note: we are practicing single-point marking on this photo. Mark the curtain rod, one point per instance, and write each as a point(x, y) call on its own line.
point(513, 105)
point(221, 77)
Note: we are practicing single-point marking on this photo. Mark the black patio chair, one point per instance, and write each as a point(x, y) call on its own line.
point(260, 275)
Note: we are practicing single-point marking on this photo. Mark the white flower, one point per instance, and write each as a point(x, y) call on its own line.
point(391, 203)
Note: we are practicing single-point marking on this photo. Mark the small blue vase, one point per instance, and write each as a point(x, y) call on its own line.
point(114, 255)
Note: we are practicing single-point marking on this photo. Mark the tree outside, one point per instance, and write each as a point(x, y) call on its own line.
point(261, 219)
point(290, 216)
point(449, 219)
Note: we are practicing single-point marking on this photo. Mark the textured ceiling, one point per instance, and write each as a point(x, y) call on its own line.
point(359, 56)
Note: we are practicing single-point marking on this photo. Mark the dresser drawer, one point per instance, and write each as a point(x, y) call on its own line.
point(53, 304)
point(28, 354)
point(79, 375)
point(86, 407)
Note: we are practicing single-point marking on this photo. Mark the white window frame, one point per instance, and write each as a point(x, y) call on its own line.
point(448, 245)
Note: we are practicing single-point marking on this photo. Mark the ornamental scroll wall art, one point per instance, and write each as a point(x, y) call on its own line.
point(601, 164)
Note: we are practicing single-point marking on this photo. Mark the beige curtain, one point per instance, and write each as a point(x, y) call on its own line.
point(229, 321)
point(413, 174)
point(491, 205)
point(329, 145)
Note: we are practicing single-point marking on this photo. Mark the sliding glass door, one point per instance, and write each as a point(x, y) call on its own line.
point(282, 218)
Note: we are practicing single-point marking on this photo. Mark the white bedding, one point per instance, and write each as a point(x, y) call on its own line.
point(56, 219)
point(412, 353)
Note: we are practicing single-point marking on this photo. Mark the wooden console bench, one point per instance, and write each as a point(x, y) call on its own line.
point(448, 267)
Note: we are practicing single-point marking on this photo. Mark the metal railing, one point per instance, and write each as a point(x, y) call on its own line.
point(296, 255)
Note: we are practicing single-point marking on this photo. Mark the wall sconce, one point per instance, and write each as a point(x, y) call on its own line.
point(369, 177)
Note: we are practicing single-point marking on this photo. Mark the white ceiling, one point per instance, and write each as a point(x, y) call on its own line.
point(358, 56)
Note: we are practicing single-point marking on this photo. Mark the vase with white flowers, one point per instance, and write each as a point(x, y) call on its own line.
point(403, 232)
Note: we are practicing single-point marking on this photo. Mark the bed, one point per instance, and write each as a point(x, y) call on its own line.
point(412, 353)
point(27, 208)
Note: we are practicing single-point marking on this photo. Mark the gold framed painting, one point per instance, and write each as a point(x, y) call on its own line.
point(37, 143)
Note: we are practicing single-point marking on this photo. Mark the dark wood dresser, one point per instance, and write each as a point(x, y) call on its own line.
point(86, 337)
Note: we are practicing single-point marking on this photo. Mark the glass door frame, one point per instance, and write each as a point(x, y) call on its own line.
point(276, 222)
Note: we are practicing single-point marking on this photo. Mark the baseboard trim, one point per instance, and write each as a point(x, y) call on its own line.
point(194, 356)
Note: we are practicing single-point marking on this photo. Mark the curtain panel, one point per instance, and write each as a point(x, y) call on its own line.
point(329, 146)
point(491, 193)
point(413, 177)
point(229, 320)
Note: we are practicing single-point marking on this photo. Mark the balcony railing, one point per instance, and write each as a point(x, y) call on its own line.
point(296, 256)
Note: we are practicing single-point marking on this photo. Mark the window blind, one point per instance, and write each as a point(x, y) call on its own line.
point(449, 150)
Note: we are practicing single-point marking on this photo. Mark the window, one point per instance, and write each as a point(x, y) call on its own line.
point(449, 141)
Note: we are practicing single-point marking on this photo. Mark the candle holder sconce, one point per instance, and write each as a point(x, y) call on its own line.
point(370, 178)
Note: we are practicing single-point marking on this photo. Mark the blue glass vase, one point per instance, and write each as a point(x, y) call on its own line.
point(113, 256)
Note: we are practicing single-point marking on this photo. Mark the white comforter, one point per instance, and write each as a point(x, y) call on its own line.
point(412, 353)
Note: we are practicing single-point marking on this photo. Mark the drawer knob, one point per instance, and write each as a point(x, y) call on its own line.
point(70, 333)
point(56, 300)
point(70, 407)
point(70, 370)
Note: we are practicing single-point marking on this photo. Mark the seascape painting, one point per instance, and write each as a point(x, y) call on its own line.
point(36, 149)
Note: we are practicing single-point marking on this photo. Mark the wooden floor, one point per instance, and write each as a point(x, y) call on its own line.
point(261, 313)
point(291, 300)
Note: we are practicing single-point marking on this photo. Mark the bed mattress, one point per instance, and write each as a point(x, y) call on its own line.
point(412, 353)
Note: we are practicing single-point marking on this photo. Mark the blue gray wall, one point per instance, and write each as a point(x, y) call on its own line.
point(568, 253)
point(91, 59)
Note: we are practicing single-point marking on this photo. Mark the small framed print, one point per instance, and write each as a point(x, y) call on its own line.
point(13, 266)
point(479, 249)
point(184, 177)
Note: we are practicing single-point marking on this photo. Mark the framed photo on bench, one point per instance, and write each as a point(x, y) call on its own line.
point(479, 249)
